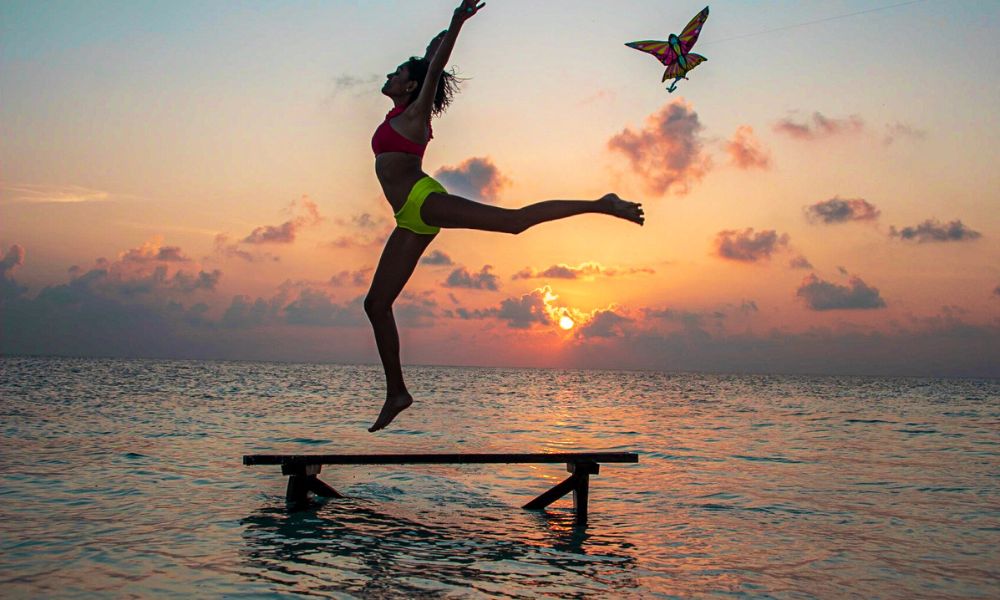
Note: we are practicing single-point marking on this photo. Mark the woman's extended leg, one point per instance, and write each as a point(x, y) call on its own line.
point(447, 210)
point(399, 259)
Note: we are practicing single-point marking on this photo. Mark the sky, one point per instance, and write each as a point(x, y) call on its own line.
point(192, 180)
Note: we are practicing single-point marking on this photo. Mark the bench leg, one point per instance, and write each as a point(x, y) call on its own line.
point(557, 492)
point(302, 480)
point(320, 488)
point(578, 483)
point(298, 489)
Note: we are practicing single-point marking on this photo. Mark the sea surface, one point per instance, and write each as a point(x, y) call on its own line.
point(123, 479)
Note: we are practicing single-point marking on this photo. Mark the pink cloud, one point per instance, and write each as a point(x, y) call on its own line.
point(152, 251)
point(745, 150)
point(902, 130)
point(477, 178)
point(12, 259)
point(587, 270)
point(232, 250)
point(483, 280)
point(933, 230)
point(364, 230)
point(606, 323)
point(354, 278)
point(800, 262)
point(842, 210)
point(819, 127)
point(667, 152)
point(9, 262)
point(823, 295)
point(286, 232)
point(748, 246)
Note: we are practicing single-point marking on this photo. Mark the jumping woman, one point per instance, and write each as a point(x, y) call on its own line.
point(419, 89)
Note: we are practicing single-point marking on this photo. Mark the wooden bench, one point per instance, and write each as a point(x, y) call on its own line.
point(302, 470)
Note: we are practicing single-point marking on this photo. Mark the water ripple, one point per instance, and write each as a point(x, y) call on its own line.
point(123, 478)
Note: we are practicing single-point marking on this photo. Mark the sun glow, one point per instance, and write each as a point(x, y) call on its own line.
point(566, 322)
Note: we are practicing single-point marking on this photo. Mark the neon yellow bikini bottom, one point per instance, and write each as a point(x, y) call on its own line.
point(408, 217)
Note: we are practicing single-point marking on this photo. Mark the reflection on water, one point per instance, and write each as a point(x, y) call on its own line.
point(353, 547)
point(123, 478)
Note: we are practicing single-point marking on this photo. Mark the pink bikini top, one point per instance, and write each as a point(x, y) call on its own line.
point(387, 139)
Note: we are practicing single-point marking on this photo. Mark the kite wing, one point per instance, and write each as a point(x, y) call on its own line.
point(690, 34)
point(661, 50)
point(676, 70)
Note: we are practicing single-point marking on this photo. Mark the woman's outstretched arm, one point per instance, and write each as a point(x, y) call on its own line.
point(442, 52)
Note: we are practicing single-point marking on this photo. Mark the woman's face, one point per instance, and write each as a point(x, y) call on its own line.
point(398, 83)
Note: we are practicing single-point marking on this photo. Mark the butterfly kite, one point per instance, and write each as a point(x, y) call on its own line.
point(676, 53)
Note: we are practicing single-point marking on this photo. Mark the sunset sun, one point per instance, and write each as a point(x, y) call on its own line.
point(566, 322)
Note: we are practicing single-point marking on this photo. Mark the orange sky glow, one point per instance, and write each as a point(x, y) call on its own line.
point(191, 183)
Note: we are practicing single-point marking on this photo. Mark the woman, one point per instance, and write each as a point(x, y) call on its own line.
point(420, 88)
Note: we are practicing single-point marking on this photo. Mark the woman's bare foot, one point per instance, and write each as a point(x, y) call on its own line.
point(612, 205)
point(392, 407)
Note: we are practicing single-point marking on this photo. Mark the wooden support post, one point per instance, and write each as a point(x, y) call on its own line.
point(578, 483)
point(302, 480)
point(320, 488)
point(582, 471)
point(557, 492)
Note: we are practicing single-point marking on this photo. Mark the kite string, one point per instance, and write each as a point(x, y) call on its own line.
point(787, 27)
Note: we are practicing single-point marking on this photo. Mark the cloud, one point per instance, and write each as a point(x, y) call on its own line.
point(933, 230)
point(606, 323)
point(286, 232)
point(437, 259)
point(271, 234)
point(9, 262)
point(116, 283)
point(476, 178)
point(232, 250)
point(667, 153)
point(692, 322)
point(901, 130)
point(53, 194)
point(800, 262)
point(313, 307)
point(587, 270)
point(364, 231)
point(838, 210)
point(747, 246)
point(822, 295)
point(244, 312)
point(947, 348)
point(355, 278)
point(355, 241)
point(363, 221)
point(819, 127)
point(148, 271)
point(996, 291)
point(416, 309)
point(745, 150)
point(153, 251)
point(483, 280)
point(529, 309)
point(357, 86)
point(535, 307)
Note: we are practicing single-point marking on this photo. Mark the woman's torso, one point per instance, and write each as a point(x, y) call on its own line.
point(398, 171)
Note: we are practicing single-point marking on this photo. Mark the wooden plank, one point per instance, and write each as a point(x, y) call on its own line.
point(412, 459)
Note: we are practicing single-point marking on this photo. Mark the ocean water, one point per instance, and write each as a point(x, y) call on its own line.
point(123, 478)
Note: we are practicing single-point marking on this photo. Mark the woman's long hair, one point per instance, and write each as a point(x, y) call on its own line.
point(447, 84)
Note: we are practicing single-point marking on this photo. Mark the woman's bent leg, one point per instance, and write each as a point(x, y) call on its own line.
point(399, 258)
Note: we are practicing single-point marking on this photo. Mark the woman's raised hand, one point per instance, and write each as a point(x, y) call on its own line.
point(467, 9)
